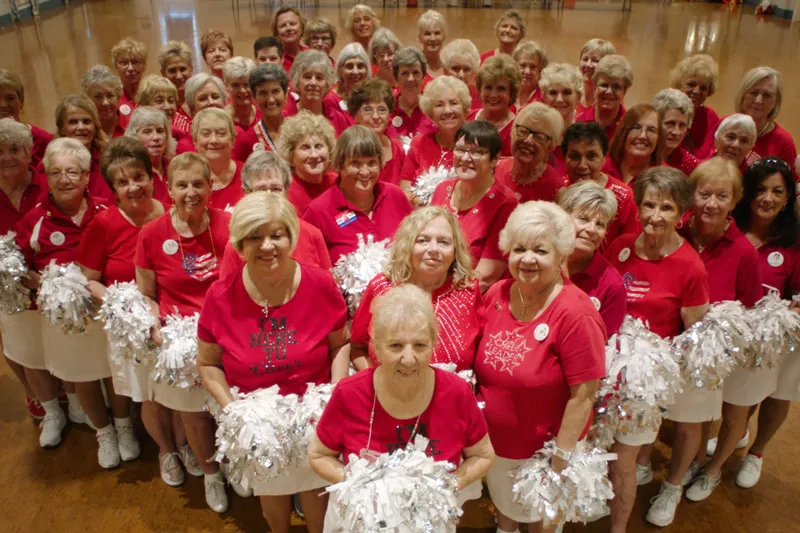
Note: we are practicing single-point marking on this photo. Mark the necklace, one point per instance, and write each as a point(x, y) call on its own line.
point(525, 304)
point(372, 419)
point(264, 301)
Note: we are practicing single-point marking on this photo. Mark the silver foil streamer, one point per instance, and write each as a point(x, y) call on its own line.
point(176, 362)
point(14, 296)
point(578, 494)
point(776, 330)
point(127, 320)
point(427, 182)
point(467, 375)
point(307, 413)
point(714, 347)
point(354, 271)
point(405, 140)
point(64, 299)
point(402, 492)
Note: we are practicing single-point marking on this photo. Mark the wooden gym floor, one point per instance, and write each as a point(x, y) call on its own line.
point(64, 490)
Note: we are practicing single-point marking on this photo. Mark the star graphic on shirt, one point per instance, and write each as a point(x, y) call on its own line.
point(506, 350)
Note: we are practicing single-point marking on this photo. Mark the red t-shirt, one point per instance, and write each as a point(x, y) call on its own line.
point(334, 100)
point(605, 289)
point(487, 55)
point(35, 192)
point(181, 124)
point(683, 160)
point(126, 107)
point(185, 144)
point(310, 250)
point(777, 143)
point(545, 188)
point(390, 173)
point(731, 265)
point(341, 223)
point(475, 97)
point(482, 223)
point(288, 59)
point(45, 233)
point(339, 119)
point(505, 133)
point(525, 369)
point(780, 269)
point(588, 115)
point(255, 138)
point(283, 348)
point(657, 290)
point(457, 312)
point(227, 198)
point(302, 192)
point(625, 220)
point(452, 420)
point(184, 267)
point(424, 153)
point(402, 125)
point(41, 139)
point(699, 140)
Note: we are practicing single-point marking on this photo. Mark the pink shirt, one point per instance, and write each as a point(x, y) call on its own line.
point(657, 290)
point(505, 133)
point(402, 125)
point(302, 192)
point(780, 269)
point(452, 420)
point(227, 198)
point(482, 223)
point(424, 154)
point(525, 369)
point(605, 289)
point(683, 160)
point(35, 192)
point(457, 312)
point(341, 223)
point(186, 271)
point(390, 173)
point(699, 140)
point(282, 348)
point(544, 188)
point(588, 115)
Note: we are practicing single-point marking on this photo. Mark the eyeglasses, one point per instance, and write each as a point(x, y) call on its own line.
point(779, 164)
point(472, 153)
point(381, 111)
point(71, 174)
point(613, 87)
point(636, 129)
point(320, 38)
point(538, 136)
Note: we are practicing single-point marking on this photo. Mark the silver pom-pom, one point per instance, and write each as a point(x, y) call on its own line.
point(714, 347)
point(428, 181)
point(578, 494)
point(402, 492)
point(127, 321)
point(405, 140)
point(64, 299)
point(467, 375)
point(776, 331)
point(354, 271)
point(14, 296)
point(307, 414)
point(176, 362)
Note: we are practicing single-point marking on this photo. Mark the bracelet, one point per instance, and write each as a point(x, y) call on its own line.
point(562, 454)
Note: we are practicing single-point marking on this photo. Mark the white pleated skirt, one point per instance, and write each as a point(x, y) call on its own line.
point(499, 480)
point(694, 405)
point(298, 478)
point(788, 379)
point(639, 437)
point(746, 387)
point(130, 378)
point(188, 401)
point(22, 339)
point(76, 357)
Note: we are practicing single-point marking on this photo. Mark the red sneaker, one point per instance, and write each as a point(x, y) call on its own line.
point(35, 408)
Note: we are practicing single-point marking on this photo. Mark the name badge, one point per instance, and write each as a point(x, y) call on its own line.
point(397, 122)
point(57, 238)
point(258, 147)
point(596, 303)
point(125, 109)
point(342, 105)
point(541, 332)
point(170, 247)
point(775, 259)
point(624, 255)
point(345, 219)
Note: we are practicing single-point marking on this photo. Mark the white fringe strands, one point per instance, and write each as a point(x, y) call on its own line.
point(176, 362)
point(14, 296)
point(776, 331)
point(354, 271)
point(127, 320)
point(427, 182)
point(64, 299)
point(467, 375)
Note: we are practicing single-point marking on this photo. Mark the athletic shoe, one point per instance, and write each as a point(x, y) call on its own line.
point(749, 472)
point(662, 507)
point(702, 487)
point(128, 444)
point(190, 461)
point(171, 471)
point(34, 408)
point(216, 498)
point(78, 416)
point(644, 474)
point(690, 474)
point(711, 447)
point(107, 448)
point(237, 487)
point(52, 425)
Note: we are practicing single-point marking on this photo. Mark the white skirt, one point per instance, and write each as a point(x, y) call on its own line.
point(746, 387)
point(638, 437)
point(499, 480)
point(130, 378)
point(299, 478)
point(76, 357)
point(788, 379)
point(188, 401)
point(22, 339)
point(694, 405)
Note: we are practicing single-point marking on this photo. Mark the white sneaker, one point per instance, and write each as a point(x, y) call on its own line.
point(644, 474)
point(216, 498)
point(128, 444)
point(171, 471)
point(711, 447)
point(190, 461)
point(52, 425)
point(702, 487)
point(108, 448)
point(690, 474)
point(237, 487)
point(78, 416)
point(662, 507)
point(749, 472)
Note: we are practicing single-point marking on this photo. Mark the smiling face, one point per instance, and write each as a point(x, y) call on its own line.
point(359, 174)
point(78, 125)
point(363, 26)
point(14, 163)
point(432, 38)
point(530, 142)
point(216, 55)
point(713, 201)
point(405, 351)
point(214, 140)
point(130, 69)
point(374, 115)
point(448, 113)
point(643, 136)
point(268, 248)
point(461, 67)
point(10, 104)
point(313, 85)
point(734, 145)
point(609, 93)
point(209, 95)
point(563, 99)
point(590, 230)
point(770, 199)
point(588, 63)
point(696, 88)
point(189, 190)
point(166, 103)
point(409, 79)
point(106, 100)
point(66, 180)
point(288, 25)
point(675, 125)
point(351, 72)
point(760, 99)
point(270, 98)
point(658, 213)
point(177, 70)
point(268, 181)
point(384, 55)
point(132, 187)
point(471, 161)
point(154, 138)
point(530, 70)
point(509, 32)
point(535, 262)
point(584, 160)
point(496, 95)
point(269, 55)
point(434, 250)
point(239, 91)
point(310, 158)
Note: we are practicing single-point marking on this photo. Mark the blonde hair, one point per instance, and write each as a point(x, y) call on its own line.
point(615, 67)
point(431, 18)
point(535, 220)
point(81, 101)
point(259, 208)
point(282, 11)
point(702, 66)
point(185, 161)
point(174, 49)
point(562, 73)
point(605, 48)
point(433, 91)
point(154, 85)
point(131, 46)
point(461, 49)
point(754, 76)
point(317, 27)
point(545, 113)
point(361, 8)
point(213, 113)
point(356, 141)
point(516, 16)
point(531, 48)
point(11, 81)
point(404, 304)
point(13, 132)
point(399, 270)
point(497, 68)
point(304, 124)
point(716, 168)
point(588, 196)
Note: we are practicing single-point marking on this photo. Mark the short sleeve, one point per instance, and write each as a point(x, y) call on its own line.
point(231, 261)
point(581, 350)
point(318, 243)
point(330, 428)
point(205, 324)
point(362, 320)
point(695, 290)
point(408, 171)
point(491, 249)
point(793, 280)
point(476, 427)
point(613, 308)
point(24, 232)
point(749, 288)
point(92, 248)
point(141, 258)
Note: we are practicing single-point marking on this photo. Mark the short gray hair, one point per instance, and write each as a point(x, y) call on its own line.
point(588, 196)
point(13, 132)
point(666, 181)
point(434, 90)
point(754, 76)
point(259, 208)
point(516, 16)
point(668, 99)
point(604, 47)
point(361, 8)
point(349, 52)
point(615, 67)
point(737, 121)
point(150, 116)
point(409, 56)
point(429, 18)
point(459, 48)
point(69, 147)
point(402, 305)
point(237, 67)
point(197, 82)
point(383, 38)
point(312, 59)
point(100, 76)
point(533, 220)
point(539, 111)
point(264, 162)
point(266, 73)
point(532, 48)
point(563, 73)
point(213, 112)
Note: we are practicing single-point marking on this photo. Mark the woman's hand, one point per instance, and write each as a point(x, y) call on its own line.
point(558, 464)
point(155, 334)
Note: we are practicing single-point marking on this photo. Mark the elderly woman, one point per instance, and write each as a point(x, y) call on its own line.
point(481, 204)
point(637, 144)
point(129, 57)
point(558, 358)
point(307, 144)
point(370, 104)
point(432, 31)
point(352, 67)
point(21, 189)
point(214, 134)
point(216, 47)
point(585, 147)
point(52, 231)
point(151, 127)
point(408, 120)
point(697, 77)
point(430, 251)
point(312, 76)
point(12, 94)
point(287, 293)
point(362, 21)
point(236, 75)
point(562, 88)
point(592, 52)
point(760, 96)
point(612, 78)
point(288, 25)
point(202, 91)
point(592, 208)
point(267, 171)
point(268, 50)
point(320, 35)
point(670, 293)
point(359, 204)
point(461, 60)
point(531, 59)
point(177, 259)
point(175, 61)
point(527, 173)
point(509, 29)
point(382, 48)
point(676, 112)
point(498, 85)
point(734, 140)
point(414, 398)
point(269, 85)
point(105, 89)
point(158, 92)
point(446, 102)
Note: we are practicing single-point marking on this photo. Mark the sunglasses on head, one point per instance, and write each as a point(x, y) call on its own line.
point(773, 162)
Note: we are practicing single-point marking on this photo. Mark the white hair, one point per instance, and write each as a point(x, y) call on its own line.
point(237, 67)
point(534, 220)
point(668, 99)
point(69, 147)
point(197, 82)
point(737, 120)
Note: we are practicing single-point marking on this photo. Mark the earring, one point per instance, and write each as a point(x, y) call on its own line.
point(679, 225)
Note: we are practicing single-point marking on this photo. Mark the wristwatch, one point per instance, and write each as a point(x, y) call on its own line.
point(562, 454)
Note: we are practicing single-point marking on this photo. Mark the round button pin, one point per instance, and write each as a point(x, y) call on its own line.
point(397, 122)
point(342, 105)
point(125, 109)
point(624, 254)
point(596, 303)
point(170, 247)
point(57, 238)
point(541, 332)
point(775, 259)
point(258, 147)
